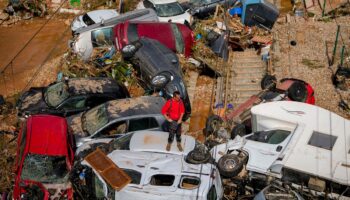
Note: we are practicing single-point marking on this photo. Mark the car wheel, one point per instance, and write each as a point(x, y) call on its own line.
point(297, 92)
point(198, 157)
point(128, 51)
point(239, 129)
point(213, 123)
point(268, 81)
point(229, 165)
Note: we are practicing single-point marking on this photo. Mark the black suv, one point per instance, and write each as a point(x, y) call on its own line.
point(70, 96)
point(158, 69)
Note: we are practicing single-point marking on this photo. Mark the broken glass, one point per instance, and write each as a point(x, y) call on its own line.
point(56, 94)
point(45, 169)
point(95, 119)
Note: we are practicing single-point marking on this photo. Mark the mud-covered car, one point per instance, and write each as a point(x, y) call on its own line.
point(44, 159)
point(155, 173)
point(70, 96)
point(114, 118)
point(205, 8)
point(177, 37)
point(158, 69)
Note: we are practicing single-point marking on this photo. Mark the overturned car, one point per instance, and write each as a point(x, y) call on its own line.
point(154, 172)
point(296, 143)
point(158, 69)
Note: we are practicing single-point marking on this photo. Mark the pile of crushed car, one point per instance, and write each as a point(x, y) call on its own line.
point(89, 138)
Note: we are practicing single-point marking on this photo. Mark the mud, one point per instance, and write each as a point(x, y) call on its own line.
point(24, 66)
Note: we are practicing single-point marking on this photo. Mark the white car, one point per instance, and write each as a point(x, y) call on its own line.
point(156, 174)
point(100, 35)
point(92, 17)
point(294, 142)
point(167, 10)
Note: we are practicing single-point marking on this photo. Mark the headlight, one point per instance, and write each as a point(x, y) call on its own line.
point(159, 80)
point(129, 48)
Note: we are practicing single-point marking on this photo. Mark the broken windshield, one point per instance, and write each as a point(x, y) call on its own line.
point(169, 9)
point(95, 119)
point(45, 169)
point(56, 94)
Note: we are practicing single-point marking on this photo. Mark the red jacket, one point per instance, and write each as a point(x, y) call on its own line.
point(173, 109)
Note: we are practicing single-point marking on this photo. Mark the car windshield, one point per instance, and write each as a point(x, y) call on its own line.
point(87, 20)
point(56, 94)
point(169, 9)
point(45, 169)
point(269, 137)
point(95, 119)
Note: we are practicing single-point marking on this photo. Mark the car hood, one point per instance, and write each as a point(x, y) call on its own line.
point(75, 127)
point(177, 18)
point(32, 100)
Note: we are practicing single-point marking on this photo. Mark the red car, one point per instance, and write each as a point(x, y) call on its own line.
point(177, 37)
point(44, 159)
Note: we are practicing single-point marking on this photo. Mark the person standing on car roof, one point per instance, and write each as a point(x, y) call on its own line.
point(173, 111)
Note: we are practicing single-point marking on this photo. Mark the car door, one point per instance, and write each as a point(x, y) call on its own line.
point(73, 105)
point(265, 147)
point(112, 130)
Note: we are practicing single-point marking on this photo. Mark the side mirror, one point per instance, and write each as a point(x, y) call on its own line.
point(279, 148)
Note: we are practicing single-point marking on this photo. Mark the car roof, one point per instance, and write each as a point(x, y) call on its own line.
point(156, 141)
point(162, 1)
point(144, 105)
point(94, 85)
point(47, 135)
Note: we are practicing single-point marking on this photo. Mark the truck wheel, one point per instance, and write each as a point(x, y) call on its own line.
point(239, 129)
point(297, 92)
point(229, 165)
point(267, 81)
point(212, 124)
point(198, 157)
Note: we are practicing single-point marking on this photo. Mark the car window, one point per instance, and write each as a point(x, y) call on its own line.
point(113, 129)
point(169, 9)
point(179, 43)
point(162, 180)
point(102, 37)
point(147, 4)
point(95, 119)
point(87, 20)
point(134, 175)
point(132, 33)
point(142, 124)
point(122, 143)
point(212, 193)
point(56, 94)
point(98, 187)
point(269, 137)
point(74, 103)
point(322, 140)
point(43, 168)
point(189, 182)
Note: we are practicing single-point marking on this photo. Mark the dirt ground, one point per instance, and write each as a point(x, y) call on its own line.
point(307, 60)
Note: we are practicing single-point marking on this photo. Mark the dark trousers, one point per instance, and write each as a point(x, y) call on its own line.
point(174, 129)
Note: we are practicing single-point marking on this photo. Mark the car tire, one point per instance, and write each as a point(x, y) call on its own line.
point(229, 165)
point(198, 157)
point(239, 129)
point(267, 80)
point(297, 92)
point(212, 124)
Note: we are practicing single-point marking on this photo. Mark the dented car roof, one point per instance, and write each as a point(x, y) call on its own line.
point(93, 85)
